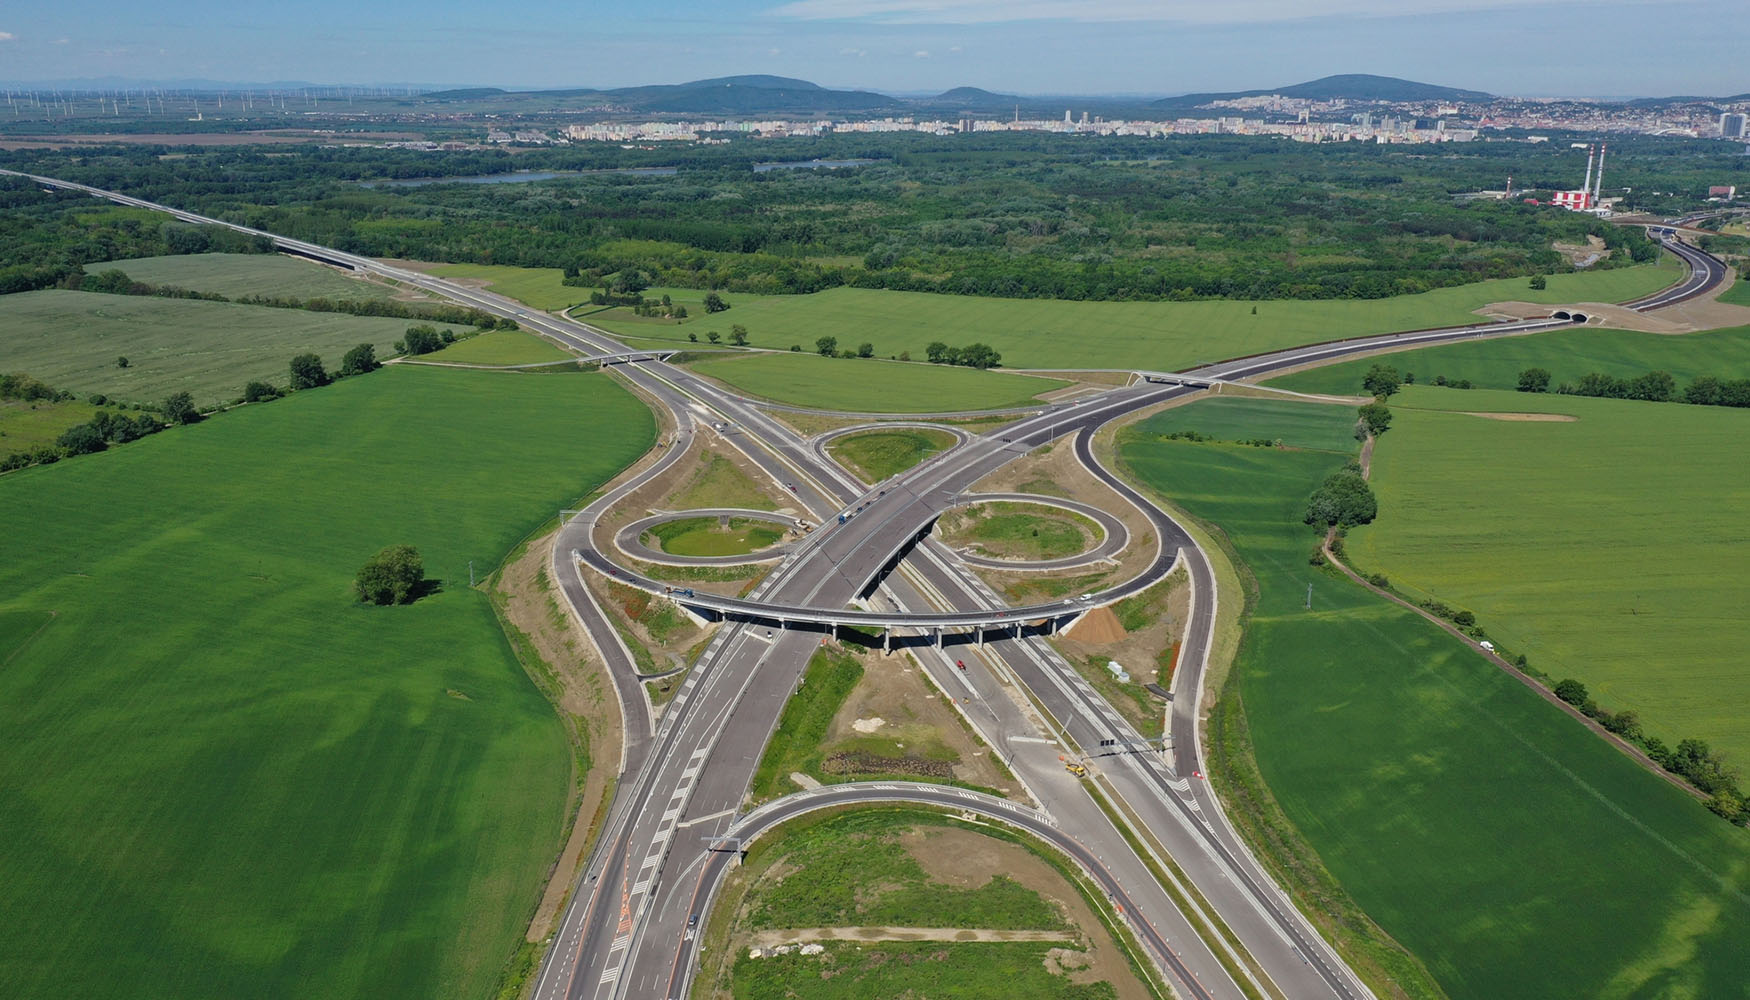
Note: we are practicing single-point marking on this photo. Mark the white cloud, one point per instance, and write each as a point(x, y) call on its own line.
point(1183, 11)
point(6, 36)
point(858, 53)
point(954, 48)
point(921, 54)
point(774, 52)
point(61, 41)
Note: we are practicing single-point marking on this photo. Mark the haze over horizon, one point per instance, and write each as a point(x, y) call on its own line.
point(1616, 48)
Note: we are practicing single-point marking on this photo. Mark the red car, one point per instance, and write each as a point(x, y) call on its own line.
point(961, 664)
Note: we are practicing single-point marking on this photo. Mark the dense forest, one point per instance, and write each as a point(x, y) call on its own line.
point(1009, 215)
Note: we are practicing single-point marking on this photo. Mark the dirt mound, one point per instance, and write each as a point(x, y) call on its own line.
point(1098, 626)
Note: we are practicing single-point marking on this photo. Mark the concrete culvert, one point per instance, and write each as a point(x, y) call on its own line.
point(1579, 317)
point(1560, 314)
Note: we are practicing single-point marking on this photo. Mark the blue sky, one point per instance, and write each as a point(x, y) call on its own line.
point(1550, 47)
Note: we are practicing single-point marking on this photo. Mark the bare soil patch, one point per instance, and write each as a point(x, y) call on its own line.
point(1097, 627)
point(1553, 418)
point(571, 676)
point(803, 935)
point(919, 732)
point(963, 858)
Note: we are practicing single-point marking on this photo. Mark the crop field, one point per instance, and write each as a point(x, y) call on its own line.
point(502, 347)
point(1514, 852)
point(1049, 334)
point(880, 454)
point(71, 340)
point(867, 385)
point(1295, 424)
point(1608, 548)
point(237, 274)
point(1565, 354)
point(702, 536)
point(223, 775)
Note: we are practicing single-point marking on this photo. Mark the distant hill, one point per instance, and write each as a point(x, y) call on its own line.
point(1349, 86)
point(745, 95)
point(972, 97)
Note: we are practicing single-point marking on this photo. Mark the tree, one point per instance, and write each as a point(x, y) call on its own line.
point(392, 576)
point(179, 409)
point(826, 345)
point(979, 356)
point(359, 360)
point(1538, 283)
point(307, 372)
point(714, 303)
point(259, 392)
point(713, 337)
point(1572, 691)
point(1381, 381)
point(1375, 417)
point(795, 348)
point(1656, 387)
point(1704, 391)
point(1534, 380)
point(865, 350)
point(1343, 499)
point(693, 337)
point(629, 282)
point(82, 439)
point(121, 362)
point(421, 339)
point(937, 352)
point(680, 312)
point(738, 335)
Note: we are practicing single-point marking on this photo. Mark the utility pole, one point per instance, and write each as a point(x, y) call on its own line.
point(470, 573)
point(1308, 595)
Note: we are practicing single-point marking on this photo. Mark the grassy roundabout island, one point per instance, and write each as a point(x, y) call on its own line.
point(715, 536)
point(876, 455)
point(1019, 531)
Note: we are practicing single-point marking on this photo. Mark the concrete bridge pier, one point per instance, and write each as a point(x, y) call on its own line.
point(938, 637)
point(978, 630)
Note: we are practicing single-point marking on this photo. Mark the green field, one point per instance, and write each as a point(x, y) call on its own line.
point(795, 745)
point(703, 536)
point(502, 347)
point(1608, 549)
point(71, 340)
point(871, 971)
point(234, 275)
point(1738, 294)
point(867, 385)
point(223, 775)
point(1513, 851)
point(1041, 333)
point(28, 426)
point(1237, 418)
point(1565, 354)
point(877, 455)
point(541, 287)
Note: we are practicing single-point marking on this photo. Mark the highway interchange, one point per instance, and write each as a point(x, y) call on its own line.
point(679, 811)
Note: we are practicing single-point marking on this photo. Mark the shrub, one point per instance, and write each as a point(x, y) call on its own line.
point(179, 409)
point(81, 440)
point(1343, 499)
point(360, 360)
point(1534, 380)
point(1571, 691)
point(1381, 381)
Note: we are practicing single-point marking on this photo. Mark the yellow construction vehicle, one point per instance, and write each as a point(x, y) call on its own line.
point(1077, 769)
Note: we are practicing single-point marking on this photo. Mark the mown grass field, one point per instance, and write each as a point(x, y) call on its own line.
point(867, 385)
point(223, 776)
point(1295, 424)
point(1036, 333)
point(1738, 294)
point(1012, 970)
point(71, 340)
point(1022, 531)
point(1608, 549)
point(541, 287)
point(502, 347)
point(877, 455)
point(1565, 354)
point(796, 742)
point(237, 274)
point(1513, 851)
